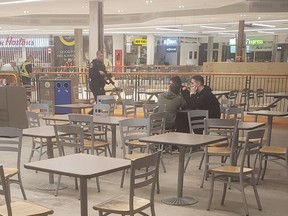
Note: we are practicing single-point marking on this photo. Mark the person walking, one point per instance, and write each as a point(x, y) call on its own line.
point(26, 70)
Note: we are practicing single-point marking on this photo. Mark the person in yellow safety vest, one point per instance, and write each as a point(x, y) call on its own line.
point(26, 70)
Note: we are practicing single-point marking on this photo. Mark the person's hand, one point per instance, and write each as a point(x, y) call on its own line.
point(194, 89)
point(102, 73)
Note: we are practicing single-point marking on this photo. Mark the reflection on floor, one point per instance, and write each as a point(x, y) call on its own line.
point(273, 190)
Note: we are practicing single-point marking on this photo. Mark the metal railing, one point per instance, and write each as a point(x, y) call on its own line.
point(160, 80)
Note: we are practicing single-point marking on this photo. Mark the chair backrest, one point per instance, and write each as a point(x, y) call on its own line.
point(33, 119)
point(253, 143)
point(144, 174)
point(224, 127)
point(42, 109)
point(225, 104)
point(235, 113)
point(133, 129)
point(70, 136)
point(111, 103)
point(129, 106)
point(196, 119)
point(129, 92)
point(259, 96)
point(148, 109)
point(5, 191)
point(103, 97)
point(157, 123)
point(233, 95)
point(101, 109)
point(11, 141)
point(51, 106)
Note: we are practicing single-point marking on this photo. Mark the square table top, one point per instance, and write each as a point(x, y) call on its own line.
point(75, 105)
point(109, 120)
point(41, 132)
point(80, 165)
point(279, 94)
point(268, 113)
point(183, 139)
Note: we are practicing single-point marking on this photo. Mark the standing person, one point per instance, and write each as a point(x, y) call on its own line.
point(97, 75)
point(202, 98)
point(26, 70)
point(174, 102)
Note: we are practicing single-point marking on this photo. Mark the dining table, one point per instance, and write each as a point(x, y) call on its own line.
point(112, 121)
point(277, 98)
point(82, 166)
point(220, 94)
point(183, 141)
point(270, 115)
point(78, 106)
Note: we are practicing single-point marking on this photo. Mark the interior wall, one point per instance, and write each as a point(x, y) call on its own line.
point(185, 49)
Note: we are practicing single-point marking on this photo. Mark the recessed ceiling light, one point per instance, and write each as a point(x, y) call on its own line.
point(259, 18)
point(120, 11)
point(181, 6)
point(148, 1)
point(25, 12)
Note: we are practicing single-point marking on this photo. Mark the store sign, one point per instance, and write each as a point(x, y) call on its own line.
point(140, 41)
point(254, 42)
point(12, 41)
point(171, 49)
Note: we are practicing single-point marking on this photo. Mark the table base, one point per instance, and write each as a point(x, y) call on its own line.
point(179, 201)
point(51, 187)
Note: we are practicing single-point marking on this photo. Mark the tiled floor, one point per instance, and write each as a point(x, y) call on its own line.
point(273, 190)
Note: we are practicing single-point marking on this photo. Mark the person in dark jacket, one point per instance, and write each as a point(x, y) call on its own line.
point(202, 98)
point(97, 75)
point(173, 102)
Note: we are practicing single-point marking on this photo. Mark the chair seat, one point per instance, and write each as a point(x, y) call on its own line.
point(97, 143)
point(273, 150)
point(218, 144)
point(135, 156)
point(97, 133)
point(219, 150)
point(120, 204)
point(9, 172)
point(230, 170)
point(242, 139)
point(136, 143)
point(26, 208)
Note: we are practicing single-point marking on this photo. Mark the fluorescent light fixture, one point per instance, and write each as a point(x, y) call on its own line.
point(18, 30)
point(211, 27)
point(226, 33)
point(18, 2)
point(263, 25)
point(170, 29)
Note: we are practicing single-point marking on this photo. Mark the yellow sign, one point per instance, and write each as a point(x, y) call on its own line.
point(140, 41)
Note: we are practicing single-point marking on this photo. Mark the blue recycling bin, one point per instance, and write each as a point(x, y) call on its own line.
point(62, 90)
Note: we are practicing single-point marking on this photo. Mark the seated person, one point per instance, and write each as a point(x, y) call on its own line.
point(202, 98)
point(174, 102)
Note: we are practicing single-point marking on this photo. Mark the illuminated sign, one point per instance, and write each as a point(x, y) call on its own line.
point(254, 42)
point(171, 49)
point(140, 41)
point(170, 42)
point(11, 41)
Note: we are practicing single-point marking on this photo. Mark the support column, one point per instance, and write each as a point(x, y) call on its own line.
point(210, 49)
point(96, 33)
point(274, 50)
point(150, 49)
point(78, 47)
point(220, 51)
point(240, 52)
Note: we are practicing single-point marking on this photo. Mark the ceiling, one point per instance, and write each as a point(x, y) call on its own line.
point(193, 18)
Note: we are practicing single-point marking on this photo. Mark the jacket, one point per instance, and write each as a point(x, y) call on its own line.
point(173, 104)
point(97, 81)
point(204, 100)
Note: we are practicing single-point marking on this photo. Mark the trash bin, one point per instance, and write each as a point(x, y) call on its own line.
point(46, 89)
point(62, 92)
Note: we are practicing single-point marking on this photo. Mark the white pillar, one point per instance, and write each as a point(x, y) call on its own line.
point(96, 36)
point(150, 49)
point(274, 50)
point(118, 44)
point(78, 47)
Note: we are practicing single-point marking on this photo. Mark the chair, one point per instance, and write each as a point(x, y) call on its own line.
point(240, 174)
point(246, 96)
point(223, 127)
point(131, 130)
point(129, 107)
point(101, 109)
point(71, 136)
point(224, 105)
point(150, 108)
point(51, 106)
point(273, 154)
point(90, 142)
point(11, 141)
point(233, 96)
point(23, 208)
point(37, 143)
point(196, 122)
point(235, 113)
point(79, 97)
point(144, 173)
point(103, 97)
point(260, 104)
point(42, 108)
point(111, 103)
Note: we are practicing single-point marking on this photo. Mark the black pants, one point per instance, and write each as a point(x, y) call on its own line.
point(97, 91)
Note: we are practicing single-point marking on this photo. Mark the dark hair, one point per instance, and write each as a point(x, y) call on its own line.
point(176, 80)
point(175, 88)
point(199, 79)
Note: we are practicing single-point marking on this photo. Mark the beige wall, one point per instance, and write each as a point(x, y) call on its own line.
point(242, 67)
